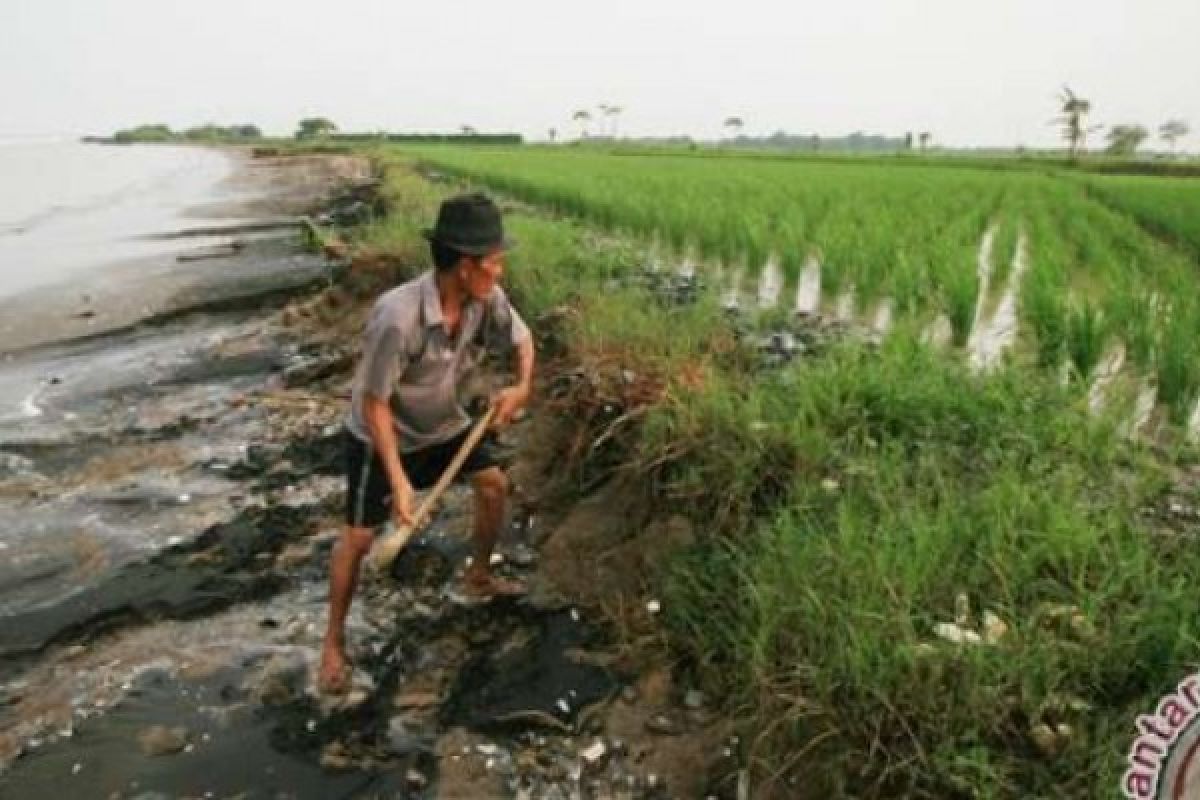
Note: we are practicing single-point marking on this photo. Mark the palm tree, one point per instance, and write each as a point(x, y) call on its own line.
point(735, 124)
point(1173, 130)
point(583, 118)
point(1073, 119)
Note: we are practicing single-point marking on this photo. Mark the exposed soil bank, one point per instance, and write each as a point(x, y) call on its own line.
point(171, 498)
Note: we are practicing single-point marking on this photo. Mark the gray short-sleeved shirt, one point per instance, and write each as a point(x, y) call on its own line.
point(409, 361)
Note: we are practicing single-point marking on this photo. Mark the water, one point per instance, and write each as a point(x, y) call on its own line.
point(67, 207)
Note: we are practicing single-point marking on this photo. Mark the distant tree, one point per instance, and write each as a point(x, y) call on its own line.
point(202, 133)
point(1172, 131)
point(144, 133)
point(815, 141)
point(1124, 140)
point(608, 112)
point(924, 138)
point(553, 134)
point(246, 131)
point(583, 118)
point(908, 140)
point(315, 128)
point(1072, 119)
point(735, 125)
point(466, 130)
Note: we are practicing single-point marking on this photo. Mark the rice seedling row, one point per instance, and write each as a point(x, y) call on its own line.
point(911, 235)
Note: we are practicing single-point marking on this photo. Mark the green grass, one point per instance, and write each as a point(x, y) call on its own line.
point(847, 501)
point(814, 618)
point(1170, 208)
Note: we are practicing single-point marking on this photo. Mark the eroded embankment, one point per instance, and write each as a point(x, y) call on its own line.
point(185, 666)
point(909, 472)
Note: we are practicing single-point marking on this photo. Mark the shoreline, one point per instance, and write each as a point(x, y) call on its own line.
point(118, 294)
point(143, 456)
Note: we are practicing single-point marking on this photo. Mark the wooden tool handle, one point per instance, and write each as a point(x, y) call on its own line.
point(386, 549)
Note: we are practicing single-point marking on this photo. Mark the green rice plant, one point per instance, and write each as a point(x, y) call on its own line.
point(1004, 250)
point(1132, 311)
point(1170, 208)
point(911, 233)
point(819, 618)
point(960, 288)
point(1086, 336)
point(1044, 309)
point(1179, 362)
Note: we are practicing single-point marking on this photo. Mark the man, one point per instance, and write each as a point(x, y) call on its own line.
point(406, 423)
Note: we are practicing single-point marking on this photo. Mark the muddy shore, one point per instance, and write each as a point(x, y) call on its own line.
point(136, 452)
point(178, 496)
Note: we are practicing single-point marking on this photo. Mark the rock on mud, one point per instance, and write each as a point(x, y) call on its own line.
point(159, 740)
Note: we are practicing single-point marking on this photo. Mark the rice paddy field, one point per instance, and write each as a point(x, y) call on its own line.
point(911, 236)
point(933, 565)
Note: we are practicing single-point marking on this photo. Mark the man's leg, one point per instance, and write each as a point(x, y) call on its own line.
point(491, 494)
point(343, 577)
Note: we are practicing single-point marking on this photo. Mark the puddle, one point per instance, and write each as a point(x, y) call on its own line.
point(808, 290)
point(731, 295)
point(1143, 409)
point(686, 268)
point(939, 333)
point(1194, 424)
point(770, 284)
point(983, 270)
point(991, 338)
point(846, 306)
point(882, 323)
point(1105, 375)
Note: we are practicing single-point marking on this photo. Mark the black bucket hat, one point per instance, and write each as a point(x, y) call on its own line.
point(471, 224)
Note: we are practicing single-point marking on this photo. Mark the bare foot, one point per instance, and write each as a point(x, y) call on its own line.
point(483, 584)
point(334, 677)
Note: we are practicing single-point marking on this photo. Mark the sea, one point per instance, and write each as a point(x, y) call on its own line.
point(67, 206)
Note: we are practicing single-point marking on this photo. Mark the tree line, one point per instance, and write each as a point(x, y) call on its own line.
point(201, 133)
point(1123, 139)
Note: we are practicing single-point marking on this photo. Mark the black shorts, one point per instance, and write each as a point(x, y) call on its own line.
point(368, 491)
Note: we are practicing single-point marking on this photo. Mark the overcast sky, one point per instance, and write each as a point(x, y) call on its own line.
point(972, 73)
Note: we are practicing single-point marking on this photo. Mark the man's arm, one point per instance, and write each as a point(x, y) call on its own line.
point(378, 415)
point(508, 401)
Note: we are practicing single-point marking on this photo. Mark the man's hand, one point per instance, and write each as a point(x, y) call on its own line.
point(402, 505)
point(507, 402)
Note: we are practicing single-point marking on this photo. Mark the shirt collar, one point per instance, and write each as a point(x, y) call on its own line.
point(432, 304)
